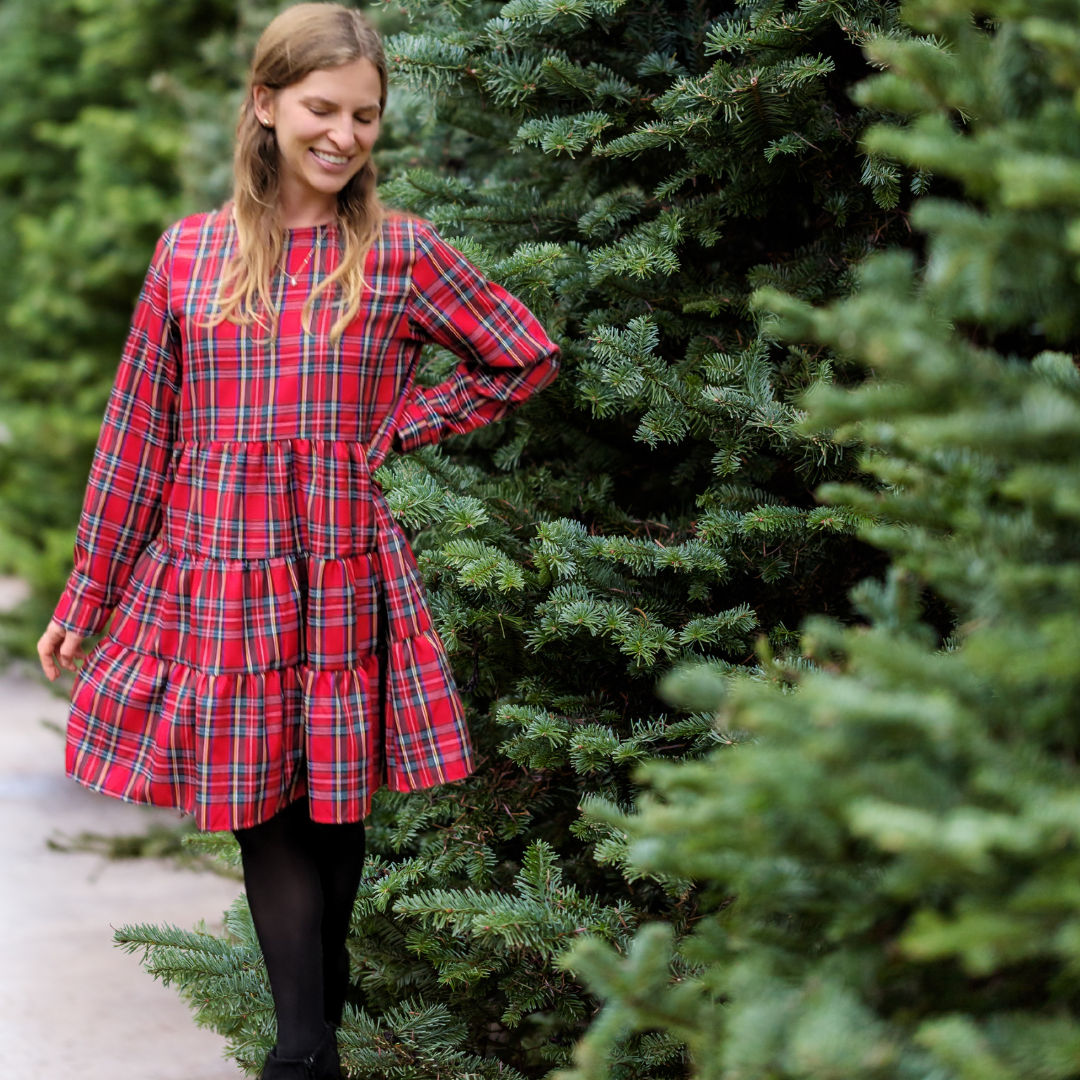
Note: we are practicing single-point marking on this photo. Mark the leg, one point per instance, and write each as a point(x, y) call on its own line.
point(285, 894)
point(301, 879)
point(339, 855)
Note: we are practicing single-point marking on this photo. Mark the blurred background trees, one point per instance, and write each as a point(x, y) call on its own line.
point(90, 142)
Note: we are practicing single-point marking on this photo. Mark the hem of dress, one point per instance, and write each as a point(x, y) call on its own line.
point(462, 771)
point(135, 800)
point(403, 784)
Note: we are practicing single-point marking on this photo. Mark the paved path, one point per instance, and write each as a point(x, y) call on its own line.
point(71, 1003)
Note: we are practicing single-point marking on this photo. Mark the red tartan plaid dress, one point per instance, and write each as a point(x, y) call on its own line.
point(232, 523)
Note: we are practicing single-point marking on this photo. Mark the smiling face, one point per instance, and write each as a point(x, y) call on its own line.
point(326, 125)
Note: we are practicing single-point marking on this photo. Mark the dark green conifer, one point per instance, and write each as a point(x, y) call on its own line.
point(890, 871)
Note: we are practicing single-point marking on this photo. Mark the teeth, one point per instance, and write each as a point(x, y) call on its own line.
point(333, 159)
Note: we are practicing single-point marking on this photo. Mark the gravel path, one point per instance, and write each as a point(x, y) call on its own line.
point(71, 1003)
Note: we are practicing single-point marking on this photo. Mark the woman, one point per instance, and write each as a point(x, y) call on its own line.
point(272, 660)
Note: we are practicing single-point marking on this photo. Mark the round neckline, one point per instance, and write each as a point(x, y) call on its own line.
point(326, 226)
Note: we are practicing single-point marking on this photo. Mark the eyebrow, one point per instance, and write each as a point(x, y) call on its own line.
point(334, 104)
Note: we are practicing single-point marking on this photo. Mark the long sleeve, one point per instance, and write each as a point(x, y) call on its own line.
point(122, 508)
point(506, 355)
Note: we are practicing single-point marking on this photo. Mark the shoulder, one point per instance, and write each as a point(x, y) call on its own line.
point(188, 242)
point(414, 248)
point(407, 232)
point(196, 229)
point(425, 254)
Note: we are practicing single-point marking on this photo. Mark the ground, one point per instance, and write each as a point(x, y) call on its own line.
point(71, 1003)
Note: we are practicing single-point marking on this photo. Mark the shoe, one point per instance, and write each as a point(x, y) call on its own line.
point(321, 1064)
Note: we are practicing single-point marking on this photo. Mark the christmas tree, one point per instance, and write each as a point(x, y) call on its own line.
point(888, 873)
point(634, 172)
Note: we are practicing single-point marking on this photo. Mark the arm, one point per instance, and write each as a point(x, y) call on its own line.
point(122, 508)
point(506, 355)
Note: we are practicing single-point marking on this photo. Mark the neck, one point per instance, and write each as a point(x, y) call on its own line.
point(301, 208)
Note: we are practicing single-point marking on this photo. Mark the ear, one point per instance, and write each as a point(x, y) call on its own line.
point(264, 100)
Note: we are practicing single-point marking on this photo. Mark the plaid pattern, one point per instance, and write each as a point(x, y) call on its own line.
point(232, 525)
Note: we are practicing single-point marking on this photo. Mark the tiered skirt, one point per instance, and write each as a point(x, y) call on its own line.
point(273, 641)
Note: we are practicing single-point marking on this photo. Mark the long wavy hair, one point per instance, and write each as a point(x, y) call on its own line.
point(302, 39)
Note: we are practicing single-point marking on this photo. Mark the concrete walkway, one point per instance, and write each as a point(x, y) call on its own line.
point(71, 1003)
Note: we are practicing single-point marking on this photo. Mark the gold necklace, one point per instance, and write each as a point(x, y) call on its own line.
point(292, 277)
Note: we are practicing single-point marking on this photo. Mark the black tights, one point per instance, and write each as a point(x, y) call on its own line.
point(301, 878)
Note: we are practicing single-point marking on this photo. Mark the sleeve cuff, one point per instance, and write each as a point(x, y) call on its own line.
point(79, 614)
point(417, 426)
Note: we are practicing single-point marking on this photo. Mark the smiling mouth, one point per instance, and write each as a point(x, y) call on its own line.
point(330, 159)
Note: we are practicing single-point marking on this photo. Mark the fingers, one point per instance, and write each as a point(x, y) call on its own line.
point(58, 646)
point(71, 653)
point(47, 645)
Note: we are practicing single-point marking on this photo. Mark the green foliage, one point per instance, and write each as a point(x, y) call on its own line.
point(888, 870)
point(655, 504)
point(155, 842)
point(229, 973)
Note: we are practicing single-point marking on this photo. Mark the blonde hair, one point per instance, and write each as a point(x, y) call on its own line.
point(302, 39)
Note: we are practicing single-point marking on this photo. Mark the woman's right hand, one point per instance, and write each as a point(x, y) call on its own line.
point(59, 646)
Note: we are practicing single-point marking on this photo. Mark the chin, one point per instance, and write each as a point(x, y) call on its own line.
point(331, 185)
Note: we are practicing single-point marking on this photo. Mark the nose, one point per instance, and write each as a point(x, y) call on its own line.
point(341, 133)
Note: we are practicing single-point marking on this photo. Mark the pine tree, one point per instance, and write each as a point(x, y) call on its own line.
point(634, 172)
point(888, 873)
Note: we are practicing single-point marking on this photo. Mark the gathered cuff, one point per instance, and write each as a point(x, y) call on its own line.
point(417, 426)
point(78, 612)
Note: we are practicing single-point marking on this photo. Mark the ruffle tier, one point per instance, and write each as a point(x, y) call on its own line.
point(225, 616)
point(233, 749)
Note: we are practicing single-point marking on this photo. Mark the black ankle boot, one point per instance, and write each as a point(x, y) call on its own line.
point(321, 1064)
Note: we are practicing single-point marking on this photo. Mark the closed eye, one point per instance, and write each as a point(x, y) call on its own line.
point(326, 112)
